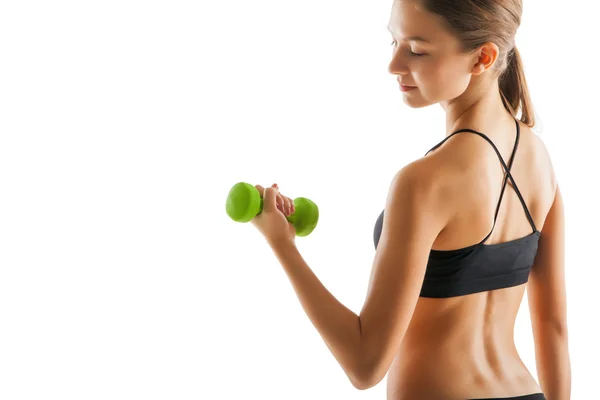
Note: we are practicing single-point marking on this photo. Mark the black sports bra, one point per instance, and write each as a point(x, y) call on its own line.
point(479, 267)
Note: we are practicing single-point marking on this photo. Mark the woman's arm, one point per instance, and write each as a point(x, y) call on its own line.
point(547, 299)
point(365, 344)
point(338, 326)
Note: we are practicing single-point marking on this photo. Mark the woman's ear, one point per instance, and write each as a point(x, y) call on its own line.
point(486, 57)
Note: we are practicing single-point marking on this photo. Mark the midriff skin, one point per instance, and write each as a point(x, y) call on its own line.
point(461, 348)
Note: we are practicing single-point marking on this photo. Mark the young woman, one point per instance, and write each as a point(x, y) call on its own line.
point(463, 234)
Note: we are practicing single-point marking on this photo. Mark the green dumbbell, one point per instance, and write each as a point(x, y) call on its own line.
point(244, 202)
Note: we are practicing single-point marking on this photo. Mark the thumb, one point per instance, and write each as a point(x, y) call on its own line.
point(270, 199)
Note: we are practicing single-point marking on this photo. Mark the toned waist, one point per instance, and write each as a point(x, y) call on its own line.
point(449, 368)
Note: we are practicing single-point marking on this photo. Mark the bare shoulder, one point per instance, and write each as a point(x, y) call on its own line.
point(434, 182)
point(545, 159)
point(543, 162)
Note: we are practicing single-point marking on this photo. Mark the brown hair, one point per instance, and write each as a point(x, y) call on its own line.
point(475, 22)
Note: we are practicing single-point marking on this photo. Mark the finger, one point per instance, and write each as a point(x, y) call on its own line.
point(270, 199)
point(285, 205)
point(292, 207)
point(281, 201)
point(261, 190)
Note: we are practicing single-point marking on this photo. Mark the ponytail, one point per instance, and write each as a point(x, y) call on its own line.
point(514, 90)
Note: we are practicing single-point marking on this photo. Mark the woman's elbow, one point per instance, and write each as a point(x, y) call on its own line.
point(361, 384)
point(365, 379)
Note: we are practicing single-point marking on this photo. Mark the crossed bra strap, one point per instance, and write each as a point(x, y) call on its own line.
point(506, 170)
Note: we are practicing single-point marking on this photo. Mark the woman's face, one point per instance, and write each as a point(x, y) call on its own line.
point(434, 65)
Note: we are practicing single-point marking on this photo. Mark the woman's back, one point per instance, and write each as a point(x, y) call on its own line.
point(462, 347)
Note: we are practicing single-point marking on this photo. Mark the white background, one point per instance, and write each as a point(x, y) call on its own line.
point(124, 124)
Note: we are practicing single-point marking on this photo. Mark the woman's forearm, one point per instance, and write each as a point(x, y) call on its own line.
point(554, 367)
point(338, 326)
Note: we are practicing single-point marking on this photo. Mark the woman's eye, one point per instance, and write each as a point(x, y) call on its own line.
point(414, 54)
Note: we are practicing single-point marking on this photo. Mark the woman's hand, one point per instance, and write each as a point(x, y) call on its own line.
point(272, 222)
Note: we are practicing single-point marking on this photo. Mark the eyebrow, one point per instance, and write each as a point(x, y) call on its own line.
point(415, 38)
